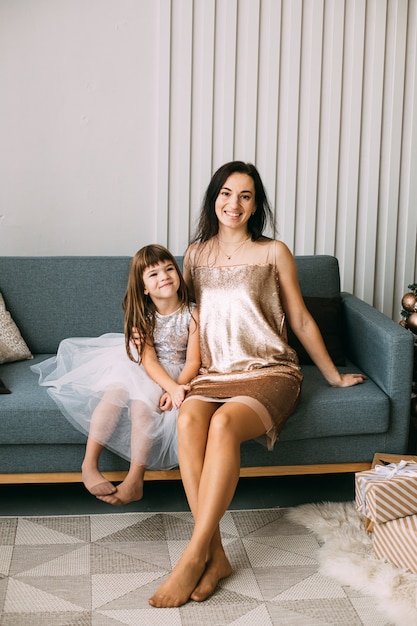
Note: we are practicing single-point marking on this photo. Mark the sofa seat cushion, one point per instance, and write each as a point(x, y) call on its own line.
point(321, 411)
point(28, 414)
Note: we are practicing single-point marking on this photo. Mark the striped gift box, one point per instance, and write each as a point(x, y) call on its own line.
point(396, 542)
point(387, 492)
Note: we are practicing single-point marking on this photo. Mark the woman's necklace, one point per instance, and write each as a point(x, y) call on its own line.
point(238, 243)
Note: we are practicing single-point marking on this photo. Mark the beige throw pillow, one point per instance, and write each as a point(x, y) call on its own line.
point(12, 344)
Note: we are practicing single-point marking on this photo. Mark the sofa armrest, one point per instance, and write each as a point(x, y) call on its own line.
point(384, 351)
point(378, 345)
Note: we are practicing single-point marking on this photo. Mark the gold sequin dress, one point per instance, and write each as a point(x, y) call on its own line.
point(244, 351)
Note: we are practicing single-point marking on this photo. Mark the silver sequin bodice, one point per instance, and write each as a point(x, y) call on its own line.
point(171, 336)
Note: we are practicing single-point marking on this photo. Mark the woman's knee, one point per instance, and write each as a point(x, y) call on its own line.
point(185, 421)
point(194, 421)
point(236, 422)
point(190, 420)
point(223, 423)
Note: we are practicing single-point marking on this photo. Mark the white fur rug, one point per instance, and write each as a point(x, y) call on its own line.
point(346, 555)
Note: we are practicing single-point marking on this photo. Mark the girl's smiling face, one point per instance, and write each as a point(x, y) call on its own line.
point(161, 281)
point(236, 201)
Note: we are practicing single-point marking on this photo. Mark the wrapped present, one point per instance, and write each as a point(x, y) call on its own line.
point(382, 458)
point(387, 492)
point(396, 542)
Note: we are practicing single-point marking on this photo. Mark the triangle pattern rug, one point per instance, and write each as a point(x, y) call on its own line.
point(100, 570)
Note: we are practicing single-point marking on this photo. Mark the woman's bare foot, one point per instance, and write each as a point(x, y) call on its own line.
point(95, 482)
point(127, 491)
point(177, 589)
point(217, 567)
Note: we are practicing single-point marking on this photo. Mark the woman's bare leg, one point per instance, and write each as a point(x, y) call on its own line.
point(203, 561)
point(218, 566)
point(193, 427)
point(131, 489)
point(191, 452)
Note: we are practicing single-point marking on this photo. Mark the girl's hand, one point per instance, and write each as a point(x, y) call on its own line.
point(179, 395)
point(349, 380)
point(165, 402)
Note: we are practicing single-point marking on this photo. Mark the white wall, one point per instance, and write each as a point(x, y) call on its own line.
point(78, 127)
point(113, 115)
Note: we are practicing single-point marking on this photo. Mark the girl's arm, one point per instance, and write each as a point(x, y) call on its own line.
point(176, 389)
point(193, 359)
point(302, 322)
point(158, 373)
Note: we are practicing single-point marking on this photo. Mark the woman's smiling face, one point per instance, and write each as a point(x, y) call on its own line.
point(236, 201)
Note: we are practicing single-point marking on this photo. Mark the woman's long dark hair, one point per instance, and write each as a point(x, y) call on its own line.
point(138, 307)
point(208, 225)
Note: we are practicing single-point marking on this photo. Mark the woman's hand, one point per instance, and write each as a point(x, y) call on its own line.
point(349, 380)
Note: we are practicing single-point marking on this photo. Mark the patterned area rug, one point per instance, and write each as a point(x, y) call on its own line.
point(100, 570)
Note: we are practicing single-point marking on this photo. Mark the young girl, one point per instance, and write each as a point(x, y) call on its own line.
point(125, 396)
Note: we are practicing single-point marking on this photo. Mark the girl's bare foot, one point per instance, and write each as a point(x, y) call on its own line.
point(177, 589)
point(217, 567)
point(95, 482)
point(127, 491)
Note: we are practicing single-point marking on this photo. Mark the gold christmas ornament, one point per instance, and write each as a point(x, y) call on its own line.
point(412, 322)
point(409, 310)
point(409, 301)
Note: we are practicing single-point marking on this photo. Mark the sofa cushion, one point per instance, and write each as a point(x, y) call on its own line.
point(51, 298)
point(318, 275)
point(12, 344)
point(28, 414)
point(325, 411)
point(3, 388)
point(327, 312)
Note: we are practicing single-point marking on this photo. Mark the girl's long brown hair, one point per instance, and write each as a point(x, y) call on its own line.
point(138, 307)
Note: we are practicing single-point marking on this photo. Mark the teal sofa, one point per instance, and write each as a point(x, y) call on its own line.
point(332, 430)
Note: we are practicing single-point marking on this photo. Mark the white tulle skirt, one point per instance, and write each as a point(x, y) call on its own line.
point(109, 397)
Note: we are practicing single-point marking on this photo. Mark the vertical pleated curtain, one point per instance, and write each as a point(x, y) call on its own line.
point(321, 96)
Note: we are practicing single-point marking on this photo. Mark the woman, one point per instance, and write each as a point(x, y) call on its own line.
point(246, 287)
